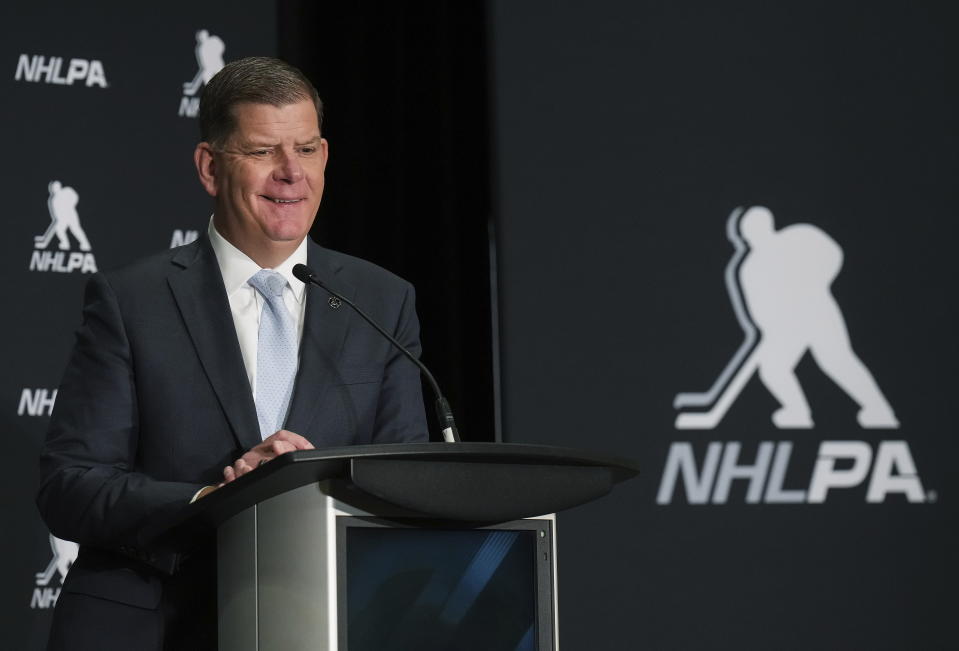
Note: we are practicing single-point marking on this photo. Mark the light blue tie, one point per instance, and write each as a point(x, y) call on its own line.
point(275, 353)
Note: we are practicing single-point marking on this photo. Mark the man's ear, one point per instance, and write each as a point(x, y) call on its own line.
point(205, 167)
point(325, 148)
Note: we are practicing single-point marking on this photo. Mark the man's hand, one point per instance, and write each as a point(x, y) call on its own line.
point(273, 446)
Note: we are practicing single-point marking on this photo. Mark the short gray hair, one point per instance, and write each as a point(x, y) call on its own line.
point(255, 80)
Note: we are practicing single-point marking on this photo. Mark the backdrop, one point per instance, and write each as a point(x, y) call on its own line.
point(646, 310)
point(787, 389)
point(98, 118)
point(99, 110)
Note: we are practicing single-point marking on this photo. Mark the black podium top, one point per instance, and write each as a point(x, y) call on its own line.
point(475, 482)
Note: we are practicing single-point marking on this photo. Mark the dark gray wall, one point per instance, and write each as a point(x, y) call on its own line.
point(626, 135)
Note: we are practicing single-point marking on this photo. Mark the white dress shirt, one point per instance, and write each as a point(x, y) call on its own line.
point(246, 304)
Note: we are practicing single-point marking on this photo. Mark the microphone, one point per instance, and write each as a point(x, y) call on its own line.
point(443, 411)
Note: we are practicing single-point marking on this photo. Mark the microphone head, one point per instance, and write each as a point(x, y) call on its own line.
point(303, 273)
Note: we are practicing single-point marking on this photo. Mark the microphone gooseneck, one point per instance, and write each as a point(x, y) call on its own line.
point(443, 411)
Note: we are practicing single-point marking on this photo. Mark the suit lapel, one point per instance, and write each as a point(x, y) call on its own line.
point(324, 333)
point(197, 287)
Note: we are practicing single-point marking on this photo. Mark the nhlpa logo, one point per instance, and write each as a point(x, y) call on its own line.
point(64, 222)
point(64, 554)
point(209, 60)
point(183, 236)
point(48, 70)
point(779, 285)
point(36, 402)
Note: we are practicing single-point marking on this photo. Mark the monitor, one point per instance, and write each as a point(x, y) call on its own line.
point(406, 584)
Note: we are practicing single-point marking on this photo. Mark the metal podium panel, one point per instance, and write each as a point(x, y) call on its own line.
point(293, 570)
point(236, 582)
point(279, 590)
point(276, 590)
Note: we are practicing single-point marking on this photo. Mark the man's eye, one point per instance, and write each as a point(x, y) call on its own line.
point(260, 153)
point(307, 151)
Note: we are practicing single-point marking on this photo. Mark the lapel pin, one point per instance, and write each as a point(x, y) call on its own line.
point(335, 302)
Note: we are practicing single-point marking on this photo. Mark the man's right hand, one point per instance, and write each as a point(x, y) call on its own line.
point(273, 446)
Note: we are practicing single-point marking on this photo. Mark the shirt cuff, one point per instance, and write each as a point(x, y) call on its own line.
point(197, 494)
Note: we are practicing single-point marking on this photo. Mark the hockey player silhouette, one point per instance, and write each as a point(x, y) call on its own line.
point(62, 205)
point(782, 293)
point(64, 554)
point(209, 60)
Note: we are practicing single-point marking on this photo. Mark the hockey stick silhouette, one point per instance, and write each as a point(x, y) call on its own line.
point(730, 382)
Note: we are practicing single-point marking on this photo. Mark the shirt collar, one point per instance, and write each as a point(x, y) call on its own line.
point(237, 267)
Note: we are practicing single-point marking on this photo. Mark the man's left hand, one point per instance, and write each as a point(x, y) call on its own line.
point(273, 446)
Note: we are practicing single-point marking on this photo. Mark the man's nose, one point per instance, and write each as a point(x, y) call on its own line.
point(288, 168)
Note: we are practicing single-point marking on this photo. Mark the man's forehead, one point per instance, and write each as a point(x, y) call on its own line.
point(247, 104)
point(265, 139)
point(255, 121)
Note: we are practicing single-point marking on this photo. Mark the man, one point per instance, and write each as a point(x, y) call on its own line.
point(182, 376)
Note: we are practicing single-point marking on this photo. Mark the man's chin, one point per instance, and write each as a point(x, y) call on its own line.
point(287, 231)
point(286, 239)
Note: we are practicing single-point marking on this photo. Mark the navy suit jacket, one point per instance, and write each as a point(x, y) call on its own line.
point(155, 401)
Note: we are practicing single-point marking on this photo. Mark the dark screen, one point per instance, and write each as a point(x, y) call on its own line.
point(440, 589)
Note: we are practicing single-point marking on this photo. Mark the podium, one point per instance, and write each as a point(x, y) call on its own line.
point(401, 546)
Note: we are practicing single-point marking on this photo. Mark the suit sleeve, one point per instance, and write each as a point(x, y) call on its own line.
point(90, 491)
point(400, 416)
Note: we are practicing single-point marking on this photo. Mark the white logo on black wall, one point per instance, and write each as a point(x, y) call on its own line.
point(64, 246)
point(38, 68)
point(48, 582)
point(36, 402)
point(209, 60)
point(779, 284)
point(183, 236)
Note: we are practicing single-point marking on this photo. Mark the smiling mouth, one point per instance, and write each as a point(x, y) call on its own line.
point(284, 201)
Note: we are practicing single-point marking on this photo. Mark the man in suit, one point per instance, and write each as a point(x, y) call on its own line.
point(190, 369)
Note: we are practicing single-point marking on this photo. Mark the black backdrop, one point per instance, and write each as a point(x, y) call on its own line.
point(114, 137)
point(407, 188)
point(408, 179)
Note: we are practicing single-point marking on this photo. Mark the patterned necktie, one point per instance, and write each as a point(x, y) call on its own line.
point(275, 353)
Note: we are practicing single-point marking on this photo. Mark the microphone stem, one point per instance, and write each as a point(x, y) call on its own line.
point(443, 411)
